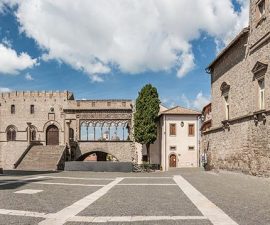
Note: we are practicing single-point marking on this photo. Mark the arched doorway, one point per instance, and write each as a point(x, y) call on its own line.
point(52, 135)
point(172, 160)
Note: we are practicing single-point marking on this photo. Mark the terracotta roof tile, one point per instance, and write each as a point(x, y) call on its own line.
point(180, 111)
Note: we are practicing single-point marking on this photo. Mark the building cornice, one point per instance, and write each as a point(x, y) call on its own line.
point(251, 116)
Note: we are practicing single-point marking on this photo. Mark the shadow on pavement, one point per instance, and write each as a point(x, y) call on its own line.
point(9, 184)
point(26, 172)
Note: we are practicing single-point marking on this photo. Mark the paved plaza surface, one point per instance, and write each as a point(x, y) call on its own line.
point(185, 196)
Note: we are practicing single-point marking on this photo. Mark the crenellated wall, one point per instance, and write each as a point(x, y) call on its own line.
point(51, 108)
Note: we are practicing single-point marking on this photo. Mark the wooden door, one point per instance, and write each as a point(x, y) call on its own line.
point(52, 135)
point(172, 160)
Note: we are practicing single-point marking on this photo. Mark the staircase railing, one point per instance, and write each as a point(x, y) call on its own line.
point(17, 163)
point(61, 162)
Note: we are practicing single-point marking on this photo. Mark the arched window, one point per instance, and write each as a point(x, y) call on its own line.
point(98, 131)
point(11, 133)
point(126, 132)
point(105, 132)
point(84, 132)
point(120, 131)
point(113, 132)
point(91, 132)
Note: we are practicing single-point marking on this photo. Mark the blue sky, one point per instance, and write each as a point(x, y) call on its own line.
point(58, 60)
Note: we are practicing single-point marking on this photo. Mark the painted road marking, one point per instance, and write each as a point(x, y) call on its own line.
point(206, 207)
point(78, 178)
point(134, 184)
point(70, 184)
point(132, 218)
point(51, 183)
point(28, 191)
point(147, 177)
point(22, 213)
point(65, 214)
point(101, 219)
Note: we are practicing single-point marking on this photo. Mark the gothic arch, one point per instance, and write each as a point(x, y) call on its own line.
point(11, 132)
point(11, 126)
point(52, 122)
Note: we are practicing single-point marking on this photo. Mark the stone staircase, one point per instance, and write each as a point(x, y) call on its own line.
point(41, 157)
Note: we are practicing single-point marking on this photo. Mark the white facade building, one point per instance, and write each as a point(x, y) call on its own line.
point(179, 138)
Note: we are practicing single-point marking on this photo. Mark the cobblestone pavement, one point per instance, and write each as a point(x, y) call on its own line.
point(185, 196)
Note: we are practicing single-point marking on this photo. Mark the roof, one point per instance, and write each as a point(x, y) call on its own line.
point(235, 40)
point(209, 104)
point(178, 110)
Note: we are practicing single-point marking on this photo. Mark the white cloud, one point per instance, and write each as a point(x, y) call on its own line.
point(186, 101)
point(4, 3)
point(12, 63)
point(28, 76)
point(187, 64)
point(198, 103)
point(131, 35)
point(5, 89)
point(7, 42)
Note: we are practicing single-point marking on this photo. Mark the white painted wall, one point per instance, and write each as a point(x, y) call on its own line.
point(185, 157)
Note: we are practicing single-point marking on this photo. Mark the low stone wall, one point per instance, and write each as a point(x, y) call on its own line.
point(123, 151)
point(99, 166)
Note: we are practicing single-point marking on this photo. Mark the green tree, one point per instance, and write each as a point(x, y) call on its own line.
point(146, 116)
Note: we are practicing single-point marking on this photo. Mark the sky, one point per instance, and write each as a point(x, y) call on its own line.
point(109, 49)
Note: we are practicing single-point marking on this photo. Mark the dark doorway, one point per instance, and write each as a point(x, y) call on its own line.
point(173, 160)
point(52, 135)
point(71, 134)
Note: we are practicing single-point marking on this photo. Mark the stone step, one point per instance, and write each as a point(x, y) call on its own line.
point(42, 158)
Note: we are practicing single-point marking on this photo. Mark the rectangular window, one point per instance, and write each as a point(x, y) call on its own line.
point(172, 148)
point(227, 108)
point(12, 109)
point(93, 104)
point(261, 93)
point(191, 129)
point(108, 104)
point(32, 109)
point(172, 129)
point(261, 7)
point(124, 104)
point(191, 148)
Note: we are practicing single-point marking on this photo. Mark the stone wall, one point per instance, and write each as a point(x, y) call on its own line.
point(58, 108)
point(241, 143)
point(260, 26)
point(48, 109)
point(123, 151)
point(244, 147)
